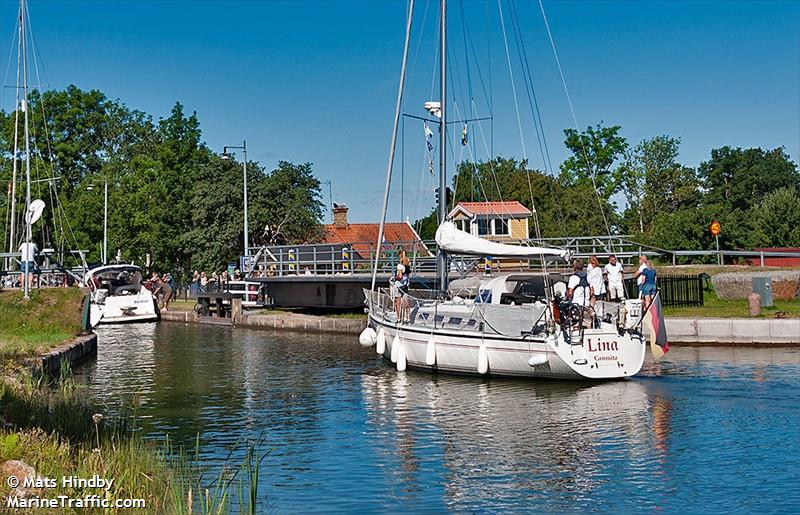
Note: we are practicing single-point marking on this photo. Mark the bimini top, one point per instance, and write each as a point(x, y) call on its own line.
point(451, 239)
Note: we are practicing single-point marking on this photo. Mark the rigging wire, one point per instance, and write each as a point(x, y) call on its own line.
point(575, 121)
point(536, 114)
point(513, 86)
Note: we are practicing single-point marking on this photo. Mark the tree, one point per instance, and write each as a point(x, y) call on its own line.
point(777, 218)
point(739, 178)
point(653, 181)
point(560, 209)
point(594, 153)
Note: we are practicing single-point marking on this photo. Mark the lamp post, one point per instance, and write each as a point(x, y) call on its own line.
point(225, 156)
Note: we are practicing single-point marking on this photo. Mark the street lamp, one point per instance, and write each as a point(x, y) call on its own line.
point(225, 156)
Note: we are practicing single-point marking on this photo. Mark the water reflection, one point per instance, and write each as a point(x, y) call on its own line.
point(346, 432)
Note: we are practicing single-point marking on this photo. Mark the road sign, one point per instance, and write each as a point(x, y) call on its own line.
point(715, 228)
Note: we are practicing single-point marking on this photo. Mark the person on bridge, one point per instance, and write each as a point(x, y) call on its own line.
point(614, 277)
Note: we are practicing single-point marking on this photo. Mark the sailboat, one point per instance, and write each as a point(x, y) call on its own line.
point(507, 326)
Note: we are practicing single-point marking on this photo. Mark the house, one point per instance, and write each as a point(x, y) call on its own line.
point(362, 236)
point(788, 261)
point(492, 220)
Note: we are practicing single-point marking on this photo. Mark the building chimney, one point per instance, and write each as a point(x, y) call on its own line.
point(340, 216)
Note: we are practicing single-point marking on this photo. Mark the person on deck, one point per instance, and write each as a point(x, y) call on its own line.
point(647, 285)
point(579, 291)
point(614, 275)
point(594, 275)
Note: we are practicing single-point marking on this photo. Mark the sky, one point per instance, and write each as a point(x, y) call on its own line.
point(316, 81)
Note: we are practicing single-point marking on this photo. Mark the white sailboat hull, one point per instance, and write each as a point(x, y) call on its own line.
point(604, 354)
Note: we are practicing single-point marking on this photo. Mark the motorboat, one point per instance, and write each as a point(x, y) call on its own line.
point(119, 295)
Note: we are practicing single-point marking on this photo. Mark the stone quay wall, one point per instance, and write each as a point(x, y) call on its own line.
point(738, 285)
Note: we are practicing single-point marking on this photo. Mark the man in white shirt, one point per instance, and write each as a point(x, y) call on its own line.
point(578, 290)
point(27, 261)
point(615, 278)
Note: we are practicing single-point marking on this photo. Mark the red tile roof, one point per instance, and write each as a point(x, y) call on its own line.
point(363, 236)
point(493, 208)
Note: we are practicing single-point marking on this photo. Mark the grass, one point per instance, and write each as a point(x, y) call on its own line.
point(55, 430)
point(720, 308)
point(49, 318)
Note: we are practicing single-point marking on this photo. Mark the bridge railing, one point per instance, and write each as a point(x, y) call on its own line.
point(359, 257)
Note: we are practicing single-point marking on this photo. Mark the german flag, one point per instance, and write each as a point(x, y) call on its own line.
point(654, 318)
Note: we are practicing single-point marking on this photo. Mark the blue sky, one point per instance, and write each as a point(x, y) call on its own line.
point(316, 81)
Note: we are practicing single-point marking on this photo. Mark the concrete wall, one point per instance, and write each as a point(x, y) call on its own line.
point(774, 331)
point(74, 352)
point(289, 321)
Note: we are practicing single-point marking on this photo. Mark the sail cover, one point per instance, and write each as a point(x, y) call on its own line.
point(451, 239)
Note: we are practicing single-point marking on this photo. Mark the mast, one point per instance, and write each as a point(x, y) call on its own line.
point(399, 105)
point(27, 219)
point(441, 258)
point(12, 241)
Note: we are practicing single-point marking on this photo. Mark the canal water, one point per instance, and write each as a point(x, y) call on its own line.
point(705, 430)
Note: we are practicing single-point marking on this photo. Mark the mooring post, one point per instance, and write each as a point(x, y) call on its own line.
point(236, 311)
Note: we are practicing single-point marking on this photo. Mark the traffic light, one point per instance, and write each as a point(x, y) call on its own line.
point(448, 199)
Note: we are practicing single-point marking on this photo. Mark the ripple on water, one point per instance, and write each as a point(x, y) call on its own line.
point(346, 432)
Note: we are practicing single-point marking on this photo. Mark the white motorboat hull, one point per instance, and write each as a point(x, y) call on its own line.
point(604, 353)
point(118, 309)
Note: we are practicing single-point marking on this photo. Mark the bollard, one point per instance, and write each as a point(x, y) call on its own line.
point(236, 311)
point(754, 303)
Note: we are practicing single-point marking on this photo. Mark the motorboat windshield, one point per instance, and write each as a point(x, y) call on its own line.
point(116, 279)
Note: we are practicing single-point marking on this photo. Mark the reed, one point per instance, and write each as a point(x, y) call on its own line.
point(54, 428)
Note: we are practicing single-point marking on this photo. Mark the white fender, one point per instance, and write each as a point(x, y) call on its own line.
point(401, 355)
point(537, 359)
point(380, 342)
point(430, 351)
point(394, 344)
point(367, 337)
point(483, 359)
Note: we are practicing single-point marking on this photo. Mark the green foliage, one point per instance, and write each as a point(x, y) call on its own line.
point(739, 178)
point(777, 218)
point(170, 196)
point(57, 432)
point(594, 153)
point(560, 209)
point(653, 182)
